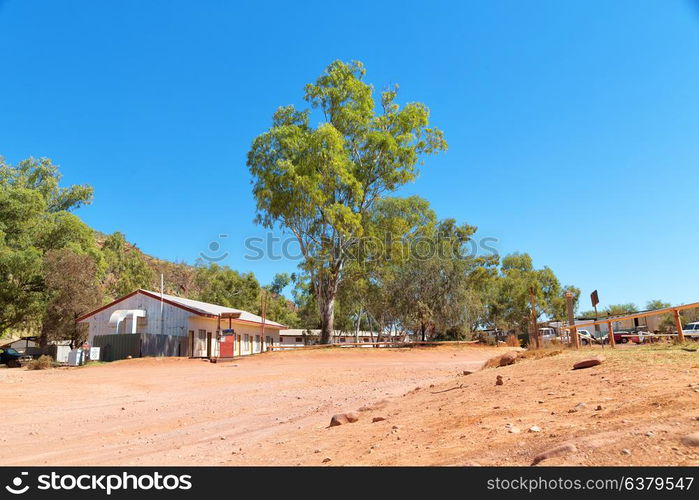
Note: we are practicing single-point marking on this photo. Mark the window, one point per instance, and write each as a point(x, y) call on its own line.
point(298, 339)
point(365, 339)
point(343, 340)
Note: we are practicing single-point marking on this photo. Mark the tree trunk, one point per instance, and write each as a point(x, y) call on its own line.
point(327, 319)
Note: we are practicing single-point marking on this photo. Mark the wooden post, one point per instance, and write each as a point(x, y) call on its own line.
point(678, 325)
point(571, 320)
point(611, 334)
point(535, 327)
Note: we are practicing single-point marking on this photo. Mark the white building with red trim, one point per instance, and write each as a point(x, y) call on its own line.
point(167, 325)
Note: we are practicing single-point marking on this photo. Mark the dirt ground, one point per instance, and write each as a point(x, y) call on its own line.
point(274, 409)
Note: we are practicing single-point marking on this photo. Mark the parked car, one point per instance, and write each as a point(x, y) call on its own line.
point(10, 357)
point(621, 336)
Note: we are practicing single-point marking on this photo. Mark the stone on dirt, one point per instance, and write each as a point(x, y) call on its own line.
point(343, 418)
point(498, 380)
point(558, 451)
point(691, 439)
point(378, 419)
point(589, 362)
point(508, 358)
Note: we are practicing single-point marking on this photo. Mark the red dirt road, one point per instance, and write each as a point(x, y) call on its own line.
point(174, 411)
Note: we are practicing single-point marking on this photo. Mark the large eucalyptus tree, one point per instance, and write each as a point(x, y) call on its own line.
point(322, 182)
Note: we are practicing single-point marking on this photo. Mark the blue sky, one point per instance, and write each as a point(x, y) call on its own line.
point(573, 127)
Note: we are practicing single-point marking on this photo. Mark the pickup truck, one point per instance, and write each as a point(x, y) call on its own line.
point(11, 358)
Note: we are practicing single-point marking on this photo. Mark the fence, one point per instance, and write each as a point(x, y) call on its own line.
point(674, 310)
point(120, 346)
point(370, 344)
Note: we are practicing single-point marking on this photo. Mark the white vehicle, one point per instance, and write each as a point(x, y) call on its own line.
point(691, 329)
point(548, 334)
point(588, 338)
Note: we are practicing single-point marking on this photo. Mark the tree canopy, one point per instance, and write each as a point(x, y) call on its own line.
point(35, 219)
point(322, 183)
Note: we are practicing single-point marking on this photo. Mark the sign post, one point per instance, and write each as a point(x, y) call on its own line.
point(594, 298)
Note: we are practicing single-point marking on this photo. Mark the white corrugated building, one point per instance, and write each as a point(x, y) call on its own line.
point(172, 326)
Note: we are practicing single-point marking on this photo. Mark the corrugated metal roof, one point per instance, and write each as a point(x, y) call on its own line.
point(214, 309)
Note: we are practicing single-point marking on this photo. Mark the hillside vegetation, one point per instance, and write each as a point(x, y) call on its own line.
point(53, 267)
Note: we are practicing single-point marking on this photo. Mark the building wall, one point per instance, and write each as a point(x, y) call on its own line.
point(179, 322)
point(174, 319)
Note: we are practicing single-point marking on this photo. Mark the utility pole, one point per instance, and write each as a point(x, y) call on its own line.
point(162, 308)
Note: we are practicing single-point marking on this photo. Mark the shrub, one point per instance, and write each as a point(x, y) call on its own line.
point(43, 363)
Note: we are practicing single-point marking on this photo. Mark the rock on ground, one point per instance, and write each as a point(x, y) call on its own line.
point(343, 418)
point(691, 439)
point(558, 451)
point(589, 362)
point(508, 358)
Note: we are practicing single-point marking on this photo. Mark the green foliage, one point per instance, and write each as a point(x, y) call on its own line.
point(280, 282)
point(652, 305)
point(72, 288)
point(322, 183)
point(42, 178)
point(282, 311)
point(33, 221)
point(224, 286)
point(126, 270)
point(620, 309)
point(509, 306)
